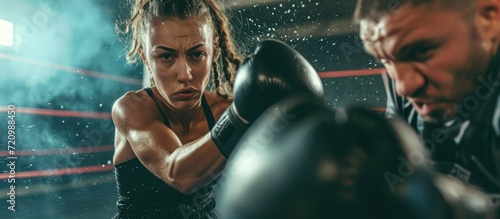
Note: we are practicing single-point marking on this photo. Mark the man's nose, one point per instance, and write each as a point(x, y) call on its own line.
point(406, 77)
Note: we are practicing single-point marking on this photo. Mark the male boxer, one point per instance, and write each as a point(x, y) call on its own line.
point(442, 63)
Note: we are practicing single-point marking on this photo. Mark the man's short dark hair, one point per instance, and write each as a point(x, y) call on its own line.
point(375, 9)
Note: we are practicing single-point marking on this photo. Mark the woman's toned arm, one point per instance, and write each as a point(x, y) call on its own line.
point(186, 167)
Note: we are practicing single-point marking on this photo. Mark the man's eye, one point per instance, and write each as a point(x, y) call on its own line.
point(422, 53)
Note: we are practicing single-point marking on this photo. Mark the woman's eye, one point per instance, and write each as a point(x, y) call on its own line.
point(165, 57)
point(198, 55)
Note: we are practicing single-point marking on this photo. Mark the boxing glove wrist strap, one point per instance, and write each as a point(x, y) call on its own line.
point(227, 131)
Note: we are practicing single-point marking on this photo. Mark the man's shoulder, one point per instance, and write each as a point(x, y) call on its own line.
point(496, 117)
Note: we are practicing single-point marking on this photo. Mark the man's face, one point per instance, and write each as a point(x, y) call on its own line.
point(433, 55)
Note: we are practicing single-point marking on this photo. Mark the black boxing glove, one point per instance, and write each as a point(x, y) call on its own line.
point(272, 169)
point(306, 161)
point(273, 72)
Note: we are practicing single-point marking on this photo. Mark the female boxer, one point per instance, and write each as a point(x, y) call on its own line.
point(163, 149)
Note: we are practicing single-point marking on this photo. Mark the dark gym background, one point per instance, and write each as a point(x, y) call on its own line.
point(62, 66)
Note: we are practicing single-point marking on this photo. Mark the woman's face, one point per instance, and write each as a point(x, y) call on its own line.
point(179, 55)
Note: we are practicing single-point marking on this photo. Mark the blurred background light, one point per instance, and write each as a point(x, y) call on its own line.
point(6, 33)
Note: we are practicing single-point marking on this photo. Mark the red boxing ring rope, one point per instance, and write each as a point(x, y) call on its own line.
point(122, 79)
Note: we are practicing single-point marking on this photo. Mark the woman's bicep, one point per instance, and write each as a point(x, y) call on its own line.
point(149, 139)
point(152, 144)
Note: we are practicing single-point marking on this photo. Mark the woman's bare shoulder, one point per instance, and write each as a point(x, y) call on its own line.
point(132, 99)
point(133, 103)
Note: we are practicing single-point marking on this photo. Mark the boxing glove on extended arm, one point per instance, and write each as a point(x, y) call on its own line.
point(273, 72)
point(228, 131)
